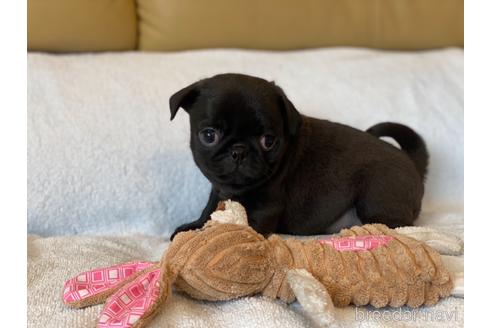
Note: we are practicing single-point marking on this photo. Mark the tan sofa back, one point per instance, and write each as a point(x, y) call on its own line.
point(81, 25)
point(162, 25)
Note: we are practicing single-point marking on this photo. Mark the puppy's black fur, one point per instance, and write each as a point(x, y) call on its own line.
point(296, 174)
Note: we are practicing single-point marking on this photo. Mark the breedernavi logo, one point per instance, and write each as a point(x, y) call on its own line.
point(429, 315)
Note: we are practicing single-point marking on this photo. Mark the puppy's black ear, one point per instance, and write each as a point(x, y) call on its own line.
point(184, 98)
point(292, 118)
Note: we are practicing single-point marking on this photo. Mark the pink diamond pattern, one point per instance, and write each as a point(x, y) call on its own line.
point(357, 243)
point(124, 308)
point(91, 283)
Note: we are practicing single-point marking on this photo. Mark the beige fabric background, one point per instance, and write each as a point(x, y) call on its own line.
point(162, 25)
point(294, 24)
point(81, 25)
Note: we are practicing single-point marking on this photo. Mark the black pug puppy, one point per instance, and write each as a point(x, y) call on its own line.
point(296, 174)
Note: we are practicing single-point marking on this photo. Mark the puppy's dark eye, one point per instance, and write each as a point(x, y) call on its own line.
point(209, 136)
point(267, 141)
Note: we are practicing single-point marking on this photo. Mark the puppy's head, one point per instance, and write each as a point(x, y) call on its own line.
point(241, 127)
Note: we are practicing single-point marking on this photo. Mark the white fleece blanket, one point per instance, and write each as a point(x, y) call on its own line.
point(103, 157)
point(52, 260)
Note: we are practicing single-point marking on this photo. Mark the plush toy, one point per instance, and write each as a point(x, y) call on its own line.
point(227, 259)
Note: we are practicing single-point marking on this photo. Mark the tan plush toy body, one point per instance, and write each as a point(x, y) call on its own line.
point(227, 259)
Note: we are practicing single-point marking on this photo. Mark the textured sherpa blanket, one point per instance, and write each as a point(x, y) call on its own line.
point(104, 158)
point(52, 260)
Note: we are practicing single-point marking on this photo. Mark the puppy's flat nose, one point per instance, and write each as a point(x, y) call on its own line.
point(238, 152)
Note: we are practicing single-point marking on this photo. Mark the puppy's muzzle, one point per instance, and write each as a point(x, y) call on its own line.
point(238, 152)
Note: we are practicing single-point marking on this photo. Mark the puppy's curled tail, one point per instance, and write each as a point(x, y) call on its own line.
point(409, 141)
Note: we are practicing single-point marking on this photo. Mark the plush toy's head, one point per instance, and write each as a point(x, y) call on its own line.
point(223, 260)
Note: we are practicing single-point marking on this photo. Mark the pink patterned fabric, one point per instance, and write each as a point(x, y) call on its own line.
point(124, 308)
point(357, 243)
point(93, 282)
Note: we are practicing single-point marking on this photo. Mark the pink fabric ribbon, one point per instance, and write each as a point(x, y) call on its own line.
point(130, 303)
point(138, 292)
point(90, 283)
point(357, 243)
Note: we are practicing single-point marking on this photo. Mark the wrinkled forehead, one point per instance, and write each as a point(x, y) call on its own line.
point(253, 113)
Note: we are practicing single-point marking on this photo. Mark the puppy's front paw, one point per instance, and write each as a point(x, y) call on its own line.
point(186, 227)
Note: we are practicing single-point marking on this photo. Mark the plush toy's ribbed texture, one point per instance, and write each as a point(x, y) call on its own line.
point(226, 261)
point(404, 272)
point(221, 262)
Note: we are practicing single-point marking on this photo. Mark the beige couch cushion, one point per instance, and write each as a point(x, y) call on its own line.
point(81, 25)
point(291, 24)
